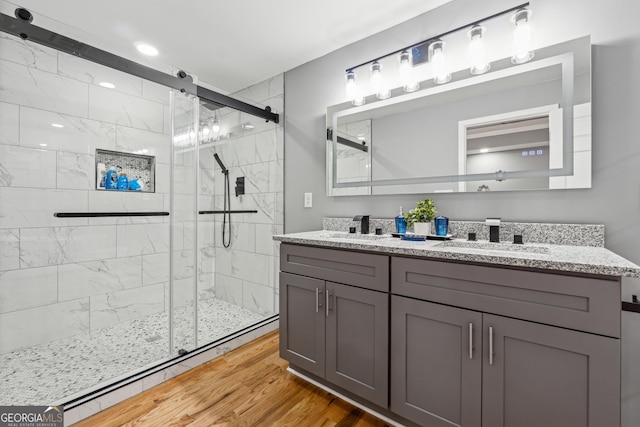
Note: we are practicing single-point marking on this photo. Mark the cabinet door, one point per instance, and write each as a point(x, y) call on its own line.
point(436, 363)
point(547, 376)
point(358, 341)
point(302, 326)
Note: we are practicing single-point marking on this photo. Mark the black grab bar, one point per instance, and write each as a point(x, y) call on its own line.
point(223, 212)
point(105, 214)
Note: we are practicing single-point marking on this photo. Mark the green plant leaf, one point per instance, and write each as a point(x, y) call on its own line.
point(424, 212)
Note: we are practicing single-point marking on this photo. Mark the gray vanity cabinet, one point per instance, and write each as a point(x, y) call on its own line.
point(546, 376)
point(302, 323)
point(519, 373)
point(442, 373)
point(337, 331)
point(436, 363)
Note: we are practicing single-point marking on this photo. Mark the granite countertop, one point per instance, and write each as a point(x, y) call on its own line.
point(580, 259)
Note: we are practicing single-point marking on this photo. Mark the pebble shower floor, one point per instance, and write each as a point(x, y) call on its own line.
point(48, 373)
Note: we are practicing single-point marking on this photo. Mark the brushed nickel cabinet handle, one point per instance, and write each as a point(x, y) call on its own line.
point(327, 303)
point(470, 340)
point(490, 345)
point(317, 300)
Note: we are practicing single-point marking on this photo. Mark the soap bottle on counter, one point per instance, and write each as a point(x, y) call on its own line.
point(401, 224)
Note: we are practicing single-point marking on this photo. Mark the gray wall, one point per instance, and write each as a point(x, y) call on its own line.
point(614, 199)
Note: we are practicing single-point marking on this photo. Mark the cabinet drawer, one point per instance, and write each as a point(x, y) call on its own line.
point(581, 303)
point(352, 268)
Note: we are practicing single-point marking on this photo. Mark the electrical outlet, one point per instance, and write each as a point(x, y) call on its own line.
point(308, 200)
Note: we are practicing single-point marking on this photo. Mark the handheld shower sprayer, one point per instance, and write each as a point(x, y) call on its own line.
point(226, 214)
point(224, 169)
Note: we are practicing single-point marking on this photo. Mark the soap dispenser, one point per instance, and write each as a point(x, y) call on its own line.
point(401, 224)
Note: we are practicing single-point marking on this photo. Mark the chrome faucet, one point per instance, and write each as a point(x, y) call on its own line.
point(494, 229)
point(364, 223)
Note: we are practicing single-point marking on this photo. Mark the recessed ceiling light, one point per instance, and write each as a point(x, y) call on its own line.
point(108, 85)
point(249, 126)
point(146, 49)
point(484, 150)
point(43, 145)
point(361, 136)
point(57, 125)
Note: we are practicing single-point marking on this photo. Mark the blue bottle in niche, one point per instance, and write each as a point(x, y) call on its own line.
point(401, 224)
point(123, 182)
point(442, 225)
point(112, 179)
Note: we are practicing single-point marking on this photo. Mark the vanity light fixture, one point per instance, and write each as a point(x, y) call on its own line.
point(522, 37)
point(476, 54)
point(407, 76)
point(378, 84)
point(441, 72)
point(352, 89)
point(432, 51)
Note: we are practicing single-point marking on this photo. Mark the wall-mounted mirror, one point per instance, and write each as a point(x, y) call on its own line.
point(517, 127)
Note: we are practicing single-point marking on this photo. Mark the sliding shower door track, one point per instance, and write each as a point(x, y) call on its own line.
point(182, 81)
point(67, 405)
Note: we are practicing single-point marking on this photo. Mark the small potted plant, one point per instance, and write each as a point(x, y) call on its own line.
point(420, 217)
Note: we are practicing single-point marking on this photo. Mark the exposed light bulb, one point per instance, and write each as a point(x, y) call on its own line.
point(377, 81)
point(522, 37)
point(407, 77)
point(215, 127)
point(205, 131)
point(476, 54)
point(352, 89)
point(439, 63)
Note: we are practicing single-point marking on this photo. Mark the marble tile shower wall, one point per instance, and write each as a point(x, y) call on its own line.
point(61, 277)
point(245, 273)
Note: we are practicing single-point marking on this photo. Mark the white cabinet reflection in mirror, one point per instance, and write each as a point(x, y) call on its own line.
point(418, 142)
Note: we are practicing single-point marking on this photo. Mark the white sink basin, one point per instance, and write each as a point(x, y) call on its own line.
point(489, 246)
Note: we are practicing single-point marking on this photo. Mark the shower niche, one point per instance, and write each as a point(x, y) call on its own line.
point(139, 170)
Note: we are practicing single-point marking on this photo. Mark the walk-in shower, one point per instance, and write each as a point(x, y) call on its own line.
point(119, 281)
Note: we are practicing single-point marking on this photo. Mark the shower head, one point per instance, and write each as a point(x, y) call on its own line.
point(224, 170)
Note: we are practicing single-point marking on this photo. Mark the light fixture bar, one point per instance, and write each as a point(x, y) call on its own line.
point(434, 38)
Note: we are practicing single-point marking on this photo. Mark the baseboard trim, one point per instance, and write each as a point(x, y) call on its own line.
point(345, 398)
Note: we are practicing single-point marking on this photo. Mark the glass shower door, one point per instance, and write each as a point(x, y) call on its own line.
point(181, 290)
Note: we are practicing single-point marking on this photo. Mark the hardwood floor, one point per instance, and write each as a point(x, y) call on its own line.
point(246, 387)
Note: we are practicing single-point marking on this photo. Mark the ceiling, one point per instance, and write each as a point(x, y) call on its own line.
point(228, 44)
